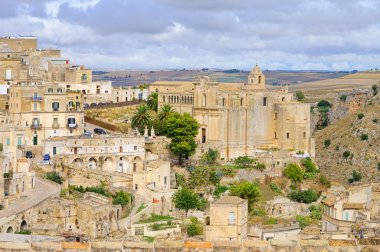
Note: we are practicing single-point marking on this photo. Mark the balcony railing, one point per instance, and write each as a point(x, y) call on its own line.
point(55, 126)
point(72, 125)
point(36, 126)
point(36, 98)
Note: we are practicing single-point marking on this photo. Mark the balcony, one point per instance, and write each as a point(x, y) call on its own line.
point(36, 126)
point(72, 125)
point(36, 98)
point(55, 126)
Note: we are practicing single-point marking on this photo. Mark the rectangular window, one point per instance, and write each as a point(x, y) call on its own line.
point(134, 167)
point(304, 135)
point(135, 147)
point(203, 135)
point(275, 135)
point(8, 141)
point(275, 116)
point(19, 140)
point(165, 180)
point(8, 74)
point(287, 135)
point(54, 150)
point(34, 106)
point(264, 101)
point(231, 218)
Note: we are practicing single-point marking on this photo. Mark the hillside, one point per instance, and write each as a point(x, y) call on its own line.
point(346, 135)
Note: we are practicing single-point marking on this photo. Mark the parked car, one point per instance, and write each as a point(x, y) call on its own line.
point(46, 157)
point(87, 133)
point(100, 131)
point(86, 105)
point(93, 104)
point(29, 154)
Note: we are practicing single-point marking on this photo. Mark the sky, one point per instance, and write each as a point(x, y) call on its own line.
point(167, 34)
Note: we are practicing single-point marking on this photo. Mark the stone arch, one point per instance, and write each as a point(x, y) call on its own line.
point(137, 164)
point(92, 163)
point(23, 225)
point(78, 162)
point(10, 229)
point(108, 164)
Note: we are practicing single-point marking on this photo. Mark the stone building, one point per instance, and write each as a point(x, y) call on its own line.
point(355, 206)
point(227, 220)
point(45, 111)
point(239, 118)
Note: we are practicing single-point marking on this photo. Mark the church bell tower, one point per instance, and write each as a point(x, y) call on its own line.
point(256, 79)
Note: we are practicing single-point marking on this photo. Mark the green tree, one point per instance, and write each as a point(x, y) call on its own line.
point(152, 101)
point(327, 142)
point(165, 111)
point(215, 177)
point(210, 156)
point(346, 154)
point(356, 176)
point(246, 190)
point(300, 96)
point(121, 198)
point(244, 161)
point(360, 116)
point(294, 172)
point(141, 117)
point(324, 103)
point(181, 129)
point(185, 199)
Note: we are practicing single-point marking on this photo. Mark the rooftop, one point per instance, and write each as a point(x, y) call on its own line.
point(229, 200)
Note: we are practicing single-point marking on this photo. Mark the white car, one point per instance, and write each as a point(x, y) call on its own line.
point(44, 162)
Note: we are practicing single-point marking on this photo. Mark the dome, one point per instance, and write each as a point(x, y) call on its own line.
point(256, 70)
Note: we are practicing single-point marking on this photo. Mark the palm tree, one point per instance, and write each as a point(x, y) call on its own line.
point(141, 118)
point(165, 110)
point(153, 101)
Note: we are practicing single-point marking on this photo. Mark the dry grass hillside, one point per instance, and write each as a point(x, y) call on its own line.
point(349, 135)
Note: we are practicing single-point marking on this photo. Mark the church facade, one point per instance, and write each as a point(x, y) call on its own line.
point(241, 118)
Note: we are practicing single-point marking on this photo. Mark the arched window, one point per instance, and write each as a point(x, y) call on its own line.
point(50, 90)
point(259, 79)
point(59, 90)
point(241, 101)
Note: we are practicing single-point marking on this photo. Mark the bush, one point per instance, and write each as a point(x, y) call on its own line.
point(346, 154)
point(274, 187)
point(54, 176)
point(360, 116)
point(259, 166)
point(364, 137)
point(210, 156)
point(378, 166)
point(258, 211)
point(327, 143)
point(24, 232)
point(244, 161)
point(324, 103)
point(306, 196)
point(194, 229)
point(294, 172)
point(374, 89)
point(375, 120)
point(316, 212)
point(155, 226)
point(219, 189)
point(309, 165)
point(121, 198)
point(323, 180)
point(300, 96)
point(271, 221)
point(304, 221)
point(343, 98)
point(356, 176)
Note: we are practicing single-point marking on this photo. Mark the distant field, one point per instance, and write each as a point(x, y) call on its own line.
point(132, 78)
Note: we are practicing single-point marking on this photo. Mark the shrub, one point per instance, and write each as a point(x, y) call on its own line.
point(306, 196)
point(244, 161)
point(346, 154)
point(324, 103)
point(54, 176)
point(274, 187)
point(194, 229)
point(375, 120)
point(378, 166)
point(374, 89)
point(356, 176)
point(300, 96)
point(294, 172)
point(364, 137)
point(259, 166)
point(304, 221)
point(316, 212)
point(271, 221)
point(258, 211)
point(155, 226)
point(360, 116)
point(219, 189)
point(210, 156)
point(309, 165)
point(24, 232)
point(194, 220)
point(327, 142)
point(343, 98)
point(121, 198)
point(323, 180)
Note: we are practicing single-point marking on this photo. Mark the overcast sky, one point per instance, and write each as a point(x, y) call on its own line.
point(161, 34)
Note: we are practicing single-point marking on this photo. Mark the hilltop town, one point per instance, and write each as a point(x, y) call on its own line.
point(170, 165)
